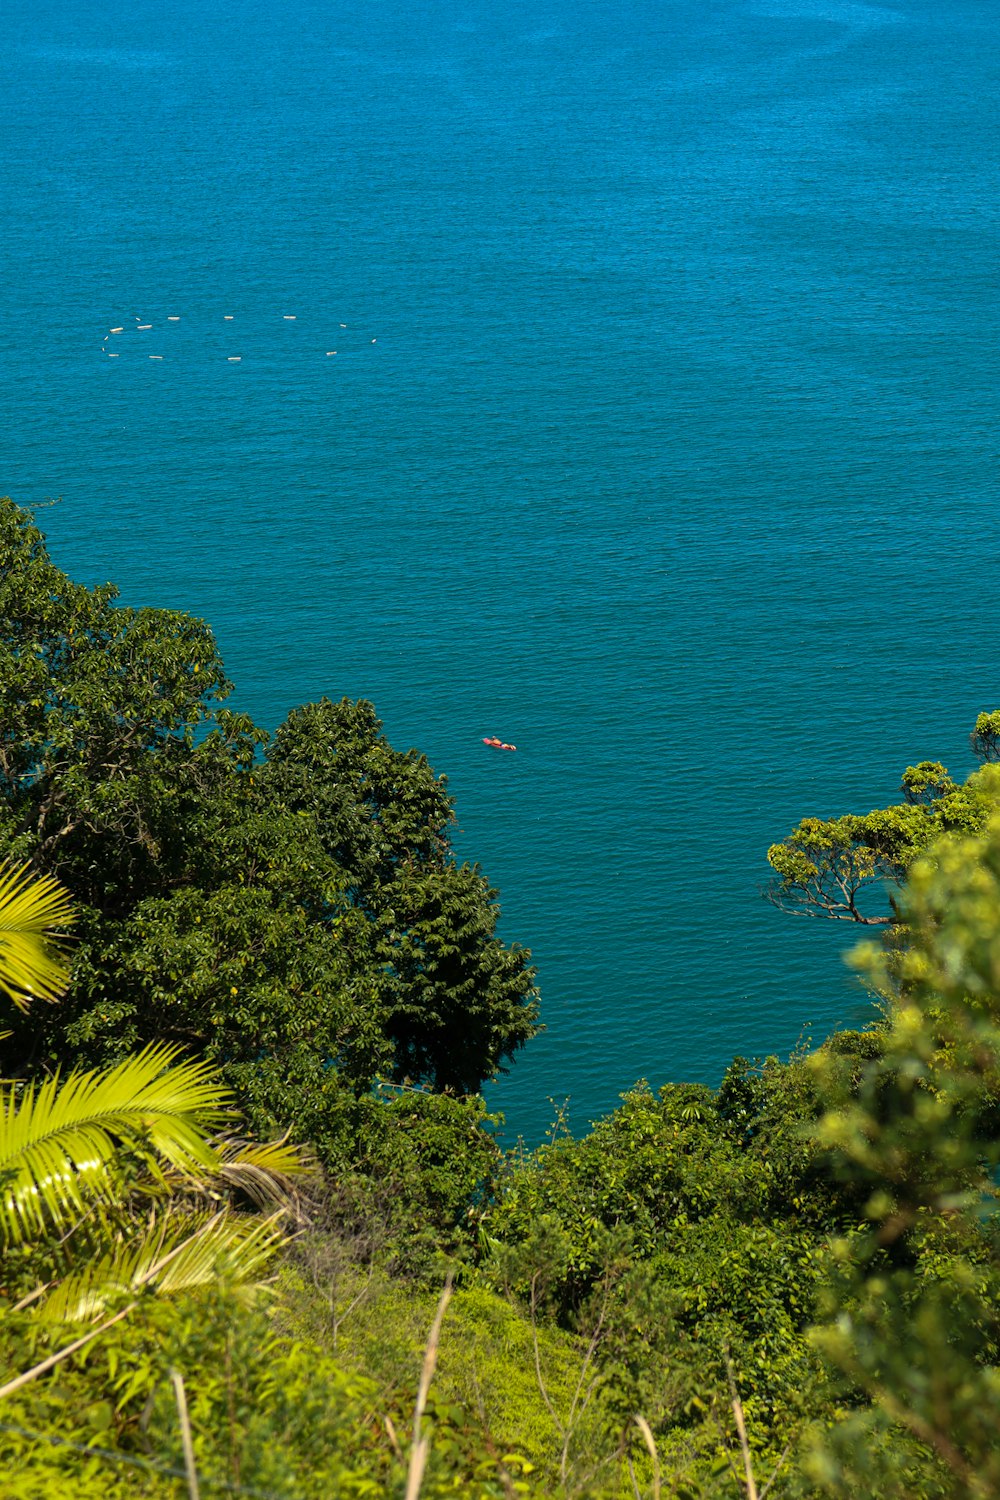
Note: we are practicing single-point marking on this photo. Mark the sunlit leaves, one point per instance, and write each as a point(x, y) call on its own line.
point(986, 736)
point(169, 1254)
point(60, 1140)
point(912, 1319)
point(103, 1176)
point(845, 867)
point(33, 908)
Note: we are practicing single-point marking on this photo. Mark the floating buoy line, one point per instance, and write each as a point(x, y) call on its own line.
point(206, 338)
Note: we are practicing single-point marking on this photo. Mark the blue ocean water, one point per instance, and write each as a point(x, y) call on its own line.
point(673, 459)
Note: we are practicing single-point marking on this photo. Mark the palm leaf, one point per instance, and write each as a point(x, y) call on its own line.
point(177, 1253)
point(32, 907)
point(59, 1140)
point(264, 1171)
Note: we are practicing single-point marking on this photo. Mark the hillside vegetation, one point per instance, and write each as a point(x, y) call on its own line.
point(258, 1234)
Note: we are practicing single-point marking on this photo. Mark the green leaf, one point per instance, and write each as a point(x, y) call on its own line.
point(32, 907)
point(59, 1141)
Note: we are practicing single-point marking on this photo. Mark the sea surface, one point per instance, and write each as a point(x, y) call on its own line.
point(660, 438)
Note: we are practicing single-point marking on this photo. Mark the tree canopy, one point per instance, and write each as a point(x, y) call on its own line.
point(911, 1321)
point(793, 1276)
point(289, 908)
point(844, 868)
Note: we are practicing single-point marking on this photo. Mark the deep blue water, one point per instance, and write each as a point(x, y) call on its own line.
point(673, 461)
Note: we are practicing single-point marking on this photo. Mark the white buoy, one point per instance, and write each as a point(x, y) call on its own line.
point(172, 318)
point(156, 356)
point(117, 330)
point(329, 352)
point(112, 356)
point(289, 317)
point(343, 325)
point(234, 359)
point(143, 326)
point(227, 317)
point(374, 341)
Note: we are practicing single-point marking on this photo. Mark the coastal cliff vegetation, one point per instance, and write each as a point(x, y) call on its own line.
point(259, 1235)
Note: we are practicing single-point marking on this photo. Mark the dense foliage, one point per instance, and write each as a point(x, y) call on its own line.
point(288, 908)
point(785, 1285)
point(841, 868)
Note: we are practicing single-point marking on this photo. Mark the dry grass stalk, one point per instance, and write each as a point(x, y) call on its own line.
point(420, 1446)
point(649, 1440)
point(741, 1428)
point(180, 1395)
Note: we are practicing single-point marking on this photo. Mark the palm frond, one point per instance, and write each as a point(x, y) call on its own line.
point(265, 1171)
point(176, 1253)
point(32, 908)
point(59, 1140)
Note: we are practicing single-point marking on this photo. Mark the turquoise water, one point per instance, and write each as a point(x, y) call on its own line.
point(673, 460)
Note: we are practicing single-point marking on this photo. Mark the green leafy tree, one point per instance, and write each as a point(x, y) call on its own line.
point(300, 920)
point(986, 737)
point(459, 1001)
point(100, 706)
point(912, 1318)
point(842, 868)
point(692, 1227)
